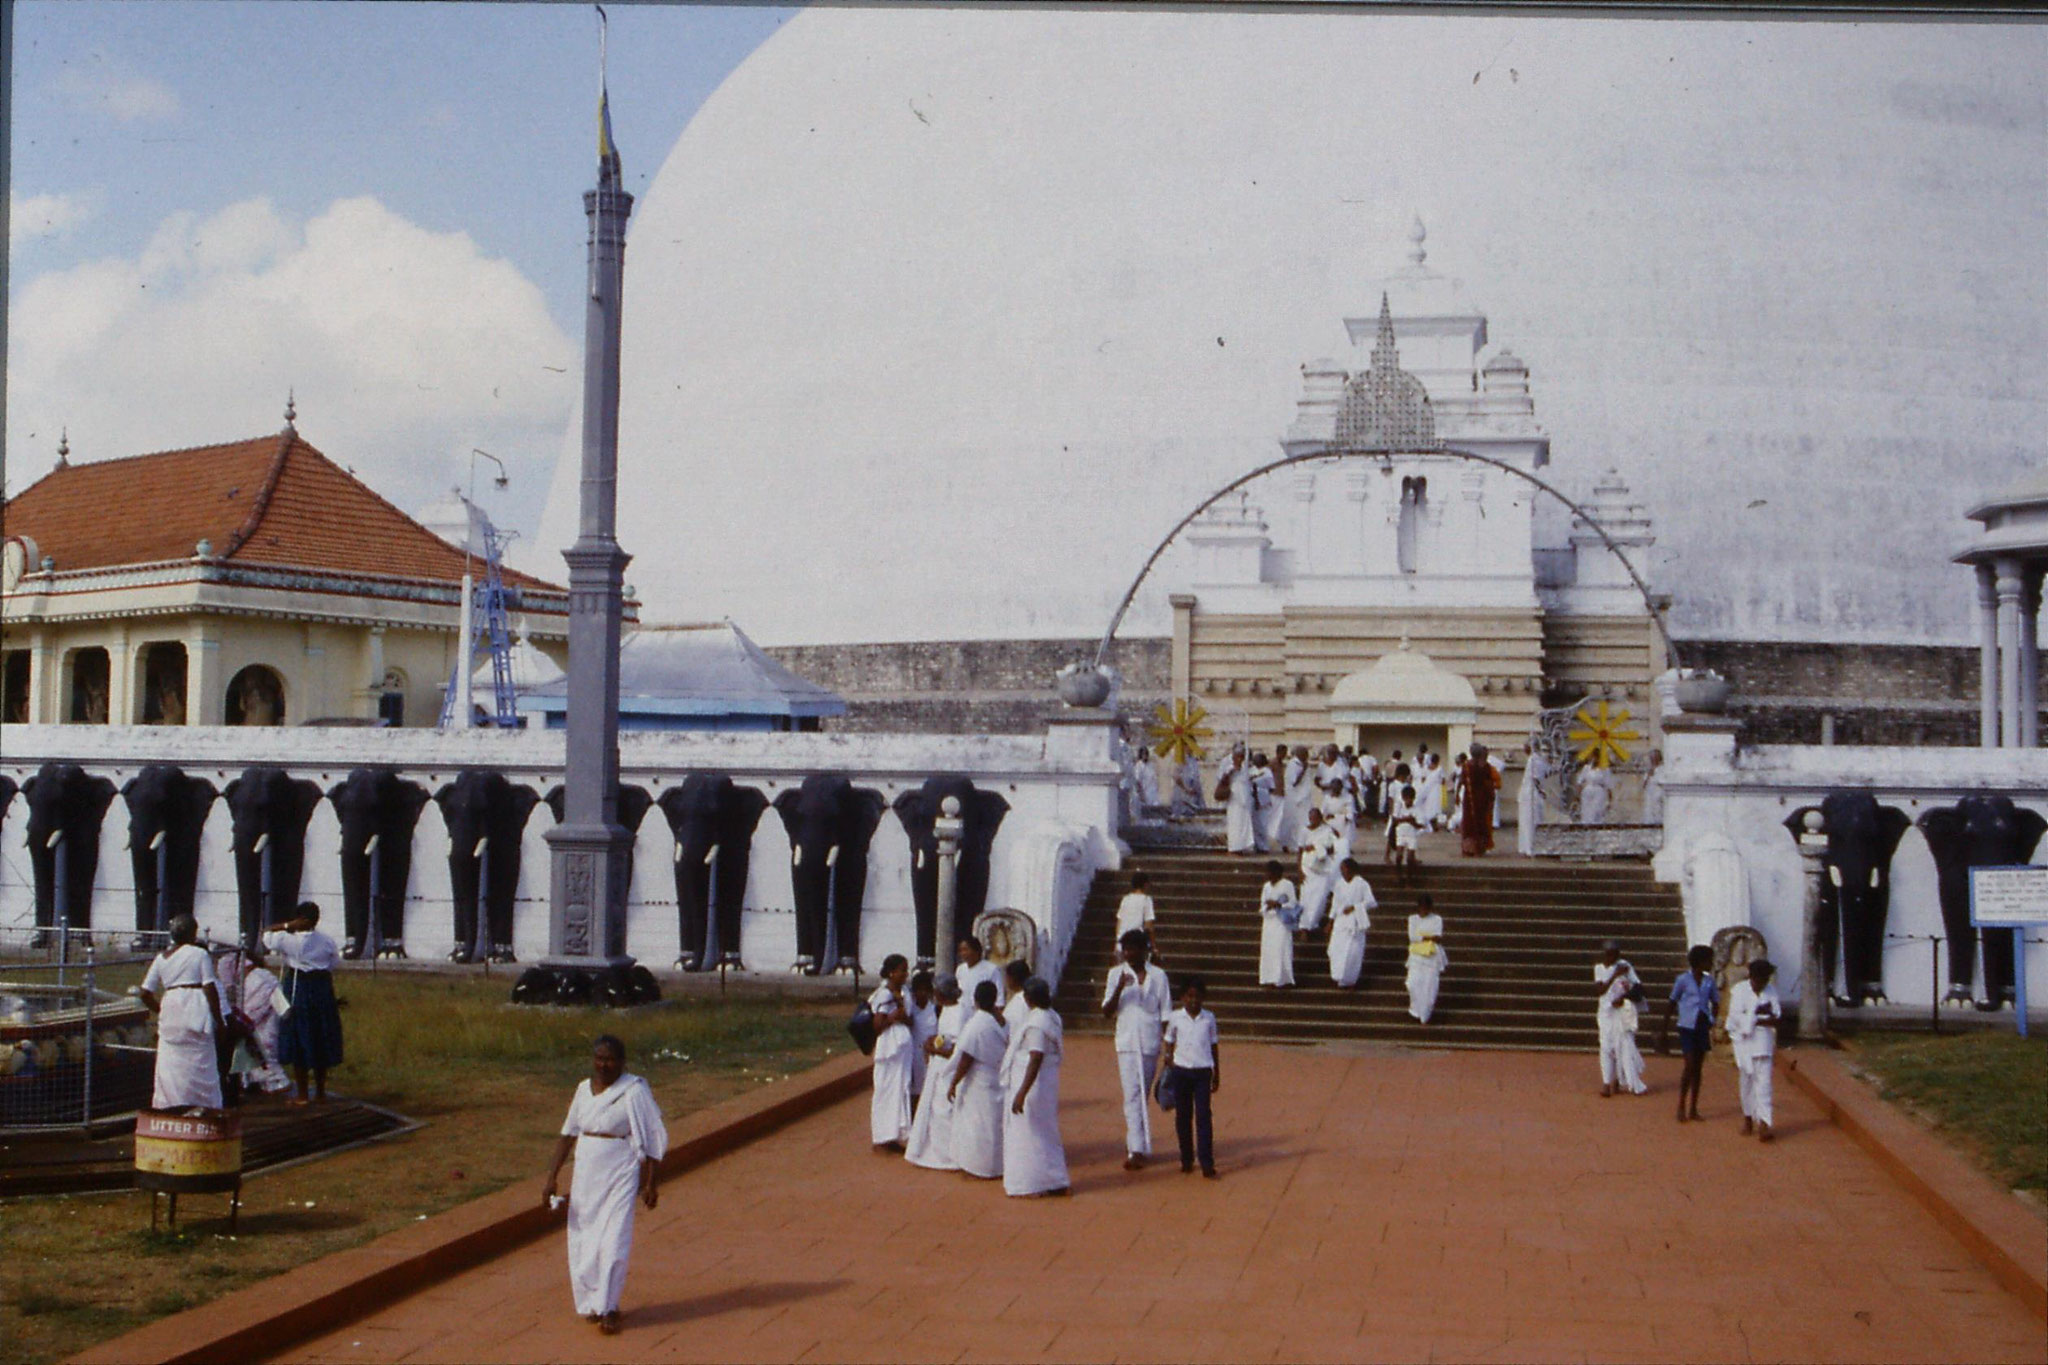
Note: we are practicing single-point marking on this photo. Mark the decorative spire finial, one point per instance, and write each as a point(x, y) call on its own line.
point(64, 449)
point(609, 171)
point(291, 411)
point(1384, 356)
point(1417, 235)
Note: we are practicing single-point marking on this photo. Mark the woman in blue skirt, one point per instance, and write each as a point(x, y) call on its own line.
point(309, 1034)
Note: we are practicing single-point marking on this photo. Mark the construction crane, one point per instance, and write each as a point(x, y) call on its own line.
point(486, 621)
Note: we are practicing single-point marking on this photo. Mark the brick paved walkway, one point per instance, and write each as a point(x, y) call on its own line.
point(1384, 1206)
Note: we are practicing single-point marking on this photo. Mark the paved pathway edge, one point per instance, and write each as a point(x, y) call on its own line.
point(274, 1314)
point(2003, 1234)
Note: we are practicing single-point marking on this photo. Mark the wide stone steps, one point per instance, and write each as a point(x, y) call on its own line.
point(1522, 938)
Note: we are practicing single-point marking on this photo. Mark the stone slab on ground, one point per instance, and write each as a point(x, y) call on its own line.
point(1407, 1205)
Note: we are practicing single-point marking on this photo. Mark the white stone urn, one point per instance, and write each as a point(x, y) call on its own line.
point(1702, 692)
point(1082, 685)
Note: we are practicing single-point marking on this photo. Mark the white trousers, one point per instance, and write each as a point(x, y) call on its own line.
point(1756, 1087)
point(1133, 1070)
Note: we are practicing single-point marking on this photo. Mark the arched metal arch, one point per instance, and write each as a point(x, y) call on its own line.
point(1334, 456)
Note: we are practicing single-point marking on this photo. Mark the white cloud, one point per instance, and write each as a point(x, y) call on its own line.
point(45, 215)
point(405, 348)
point(122, 95)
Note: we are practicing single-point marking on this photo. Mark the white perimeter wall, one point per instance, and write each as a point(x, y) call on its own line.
point(1061, 828)
point(1713, 788)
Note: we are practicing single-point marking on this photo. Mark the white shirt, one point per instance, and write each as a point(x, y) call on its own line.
point(186, 965)
point(1746, 1005)
point(1276, 896)
point(1322, 851)
point(971, 977)
point(1135, 911)
point(1617, 994)
point(1351, 901)
point(1191, 1041)
point(311, 951)
point(1141, 1008)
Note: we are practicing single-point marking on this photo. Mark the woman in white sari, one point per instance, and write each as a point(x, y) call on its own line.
point(1279, 914)
point(889, 1110)
point(1429, 793)
point(1426, 960)
point(1350, 917)
point(183, 991)
point(931, 1130)
point(976, 1088)
point(1034, 1158)
point(615, 1129)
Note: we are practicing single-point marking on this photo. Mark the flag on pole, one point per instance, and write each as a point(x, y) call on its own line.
point(609, 171)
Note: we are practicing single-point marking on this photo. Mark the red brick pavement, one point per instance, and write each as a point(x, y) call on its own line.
point(1392, 1205)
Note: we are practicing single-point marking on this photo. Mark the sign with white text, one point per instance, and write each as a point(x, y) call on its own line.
point(2008, 897)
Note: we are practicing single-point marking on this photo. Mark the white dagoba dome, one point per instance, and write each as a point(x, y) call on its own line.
point(1404, 681)
point(937, 319)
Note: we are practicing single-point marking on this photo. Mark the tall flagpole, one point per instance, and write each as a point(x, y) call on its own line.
point(590, 851)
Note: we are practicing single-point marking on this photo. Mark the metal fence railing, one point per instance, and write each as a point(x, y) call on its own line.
point(76, 1047)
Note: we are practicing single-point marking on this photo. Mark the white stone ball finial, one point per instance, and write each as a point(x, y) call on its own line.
point(950, 808)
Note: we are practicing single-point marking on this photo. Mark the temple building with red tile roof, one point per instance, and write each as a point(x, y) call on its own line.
point(252, 583)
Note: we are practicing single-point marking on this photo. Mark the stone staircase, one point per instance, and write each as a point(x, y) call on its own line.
point(1522, 936)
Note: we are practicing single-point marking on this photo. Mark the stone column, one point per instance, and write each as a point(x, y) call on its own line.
point(2009, 586)
point(2030, 657)
point(946, 934)
point(45, 681)
point(206, 698)
point(121, 690)
point(1987, 656)
point(1813, 986)
point(1183, 605)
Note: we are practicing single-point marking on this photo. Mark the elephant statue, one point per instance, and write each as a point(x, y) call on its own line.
point(378, 811)
point(1977, 831)
point(66, 806)
point(630, 808)
point(713, 820)
point(830, 823)
point(7, 791)
point(270, 809)
point(981, 813)
point(1856, 895)
point(483, 811)
point(167, 812)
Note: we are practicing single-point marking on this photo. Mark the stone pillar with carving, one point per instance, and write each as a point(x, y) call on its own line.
point(947, 830)
point(1813, 984)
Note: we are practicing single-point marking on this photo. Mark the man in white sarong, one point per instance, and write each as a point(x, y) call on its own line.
point(1596, 790)
point(931, 1128)
point(1265, 801)
point(1621, 1061)
point(261, 995)
point(1426, 960)
point(1653, 790)
point(1138, 999)
point(1339, 812)
point(1322, 853)
point(1279, 913)
point(183, 991)
point(972, 971)
point(976, 1088)
point(1349, 919)
point(1429, 793)
point(1529, 800)
point(1273, 812)
point(1240, 803)
point(1499, 772)
point(889, 1109)
point(1753, 1017)
point(614, 1127)
point(1034, 1157)
point(1187, 789)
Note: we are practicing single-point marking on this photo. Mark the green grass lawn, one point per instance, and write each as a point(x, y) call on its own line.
point(1986, 1091)
point(490, 1080)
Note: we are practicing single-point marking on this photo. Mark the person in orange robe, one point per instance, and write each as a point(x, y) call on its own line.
point(1475, 804)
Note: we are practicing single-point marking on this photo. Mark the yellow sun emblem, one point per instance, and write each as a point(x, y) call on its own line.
point(1177, 734)
point(1599, 734)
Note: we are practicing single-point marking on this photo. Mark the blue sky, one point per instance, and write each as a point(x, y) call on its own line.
point(470, 117)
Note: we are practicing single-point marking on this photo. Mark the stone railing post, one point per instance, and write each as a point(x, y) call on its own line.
point(947, 829)
point(1813, 989)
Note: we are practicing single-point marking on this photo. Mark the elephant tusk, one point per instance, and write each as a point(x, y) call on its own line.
point(712, 856)
point(832, 856)
point(679, 855)
point(920, 859)
point(370, 845)
point(1873, 879)
point(1835, 875)
point(56, 838)
point(262, 842)
point(481, 845)
point(157, 842)
point(796, 855)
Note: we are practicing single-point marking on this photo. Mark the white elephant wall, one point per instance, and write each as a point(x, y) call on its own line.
point(1065, 787)
point(1713, 788)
